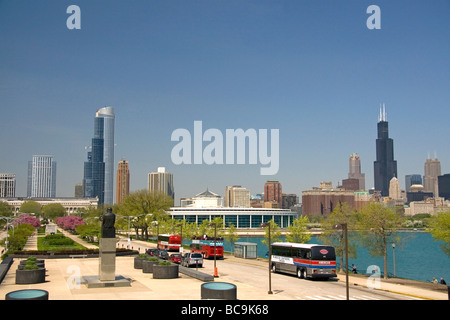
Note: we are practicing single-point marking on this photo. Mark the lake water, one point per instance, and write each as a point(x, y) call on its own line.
point(417, 257)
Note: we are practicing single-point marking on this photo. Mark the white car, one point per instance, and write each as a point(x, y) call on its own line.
point(192, 259)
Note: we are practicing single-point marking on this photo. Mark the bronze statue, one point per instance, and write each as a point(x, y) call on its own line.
point(108, 220)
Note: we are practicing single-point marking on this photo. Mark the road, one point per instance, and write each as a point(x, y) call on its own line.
point(256, 274)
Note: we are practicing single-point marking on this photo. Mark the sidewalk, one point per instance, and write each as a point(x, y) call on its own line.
point(62, 275)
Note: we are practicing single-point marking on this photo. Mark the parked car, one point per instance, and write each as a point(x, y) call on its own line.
point(192, 259)
point(152, 252)
point(162, 254)
point(175, 258)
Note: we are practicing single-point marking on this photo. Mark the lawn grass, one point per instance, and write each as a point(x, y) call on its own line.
point(42, 246)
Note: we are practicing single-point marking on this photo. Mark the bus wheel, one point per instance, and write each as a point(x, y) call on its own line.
point(300, 273)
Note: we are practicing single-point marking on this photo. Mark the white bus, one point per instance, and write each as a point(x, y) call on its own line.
point(304, 260)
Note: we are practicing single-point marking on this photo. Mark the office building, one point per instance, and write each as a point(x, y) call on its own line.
point(444, 186)
point(385, 167)
point(430, 179)
point(123, 181)
point(273, 192)
point(161, 181)
point(412, 179)
point(7, 185)
point(323, 200)
point(41, 177)
point(237, 197)
point(289, 201)
point(355, 171)
point(395, 192)
point(98, 178)
point(79, 190)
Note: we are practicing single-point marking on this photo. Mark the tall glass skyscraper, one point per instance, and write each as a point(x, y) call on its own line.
point(41, 177)
point(385, 167)
point(99, 168)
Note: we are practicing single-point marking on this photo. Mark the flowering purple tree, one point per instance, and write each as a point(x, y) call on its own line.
point(69, 222)
point(24, 218)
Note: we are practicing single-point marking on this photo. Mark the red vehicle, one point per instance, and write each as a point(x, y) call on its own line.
point(169, 242)
point(175, 258)
point(205, 246)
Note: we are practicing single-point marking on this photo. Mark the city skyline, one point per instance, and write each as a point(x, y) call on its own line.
point(313, 71)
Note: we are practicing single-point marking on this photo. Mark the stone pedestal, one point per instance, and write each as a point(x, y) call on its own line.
point(107, 265)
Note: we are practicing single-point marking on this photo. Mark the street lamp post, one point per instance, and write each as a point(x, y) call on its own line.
point(215, 238)
point(263, 225)
point(343, 226)
point(393, 255)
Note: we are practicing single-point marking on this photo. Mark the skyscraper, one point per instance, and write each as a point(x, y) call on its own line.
point(385, 167)
point(237, 197)
point(99, 168)
point(41, 177)
point(273, 192)
point(412, 179)
point(107, 114)
point(355, 171)
point(161, 181)
point(7, 185)
point(123, 181)
point(430, 179)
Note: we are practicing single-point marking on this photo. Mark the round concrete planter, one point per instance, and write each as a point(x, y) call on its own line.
point(147, 266)
point(165, 272)
point(27, 294)
point(30, 276)
point(138, 262)
point(219, 291)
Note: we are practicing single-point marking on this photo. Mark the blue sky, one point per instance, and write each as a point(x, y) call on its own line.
point(311, 69)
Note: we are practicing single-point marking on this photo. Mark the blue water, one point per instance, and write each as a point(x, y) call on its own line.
point(417, 257)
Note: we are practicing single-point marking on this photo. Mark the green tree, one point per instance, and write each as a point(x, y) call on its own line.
point(53, 210)
point(31, 207)
point(342, 214)
point(378, 224)
point(231, 235)
point(144, 207)
point(440, 230)
point(6, 209)
point(275, 233)
point(298, 231)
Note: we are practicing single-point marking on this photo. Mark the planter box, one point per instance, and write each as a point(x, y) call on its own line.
point(165, 272)
point(23, 263)
point(138, 262)
point(147, 266)
point(30, 276)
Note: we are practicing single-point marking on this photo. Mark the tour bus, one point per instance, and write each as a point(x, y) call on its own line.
point(169, 242)
point(205, 246)
point(304, 260)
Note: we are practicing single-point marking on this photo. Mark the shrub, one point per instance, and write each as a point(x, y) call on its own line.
point(153, 259)
point(164, 263)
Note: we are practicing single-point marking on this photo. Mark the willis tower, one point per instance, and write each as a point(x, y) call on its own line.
point(385, 167)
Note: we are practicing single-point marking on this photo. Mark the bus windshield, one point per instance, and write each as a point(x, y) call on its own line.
point(323, 253)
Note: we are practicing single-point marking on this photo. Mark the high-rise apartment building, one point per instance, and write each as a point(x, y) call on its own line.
point(99, 168)
point(7, 185)
point(237, 197)
point(123, 181)
point(355, 171)
point(41, 177)
point(273, 192)
point(385, 167)
point(161, 181)
point(430, 179)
